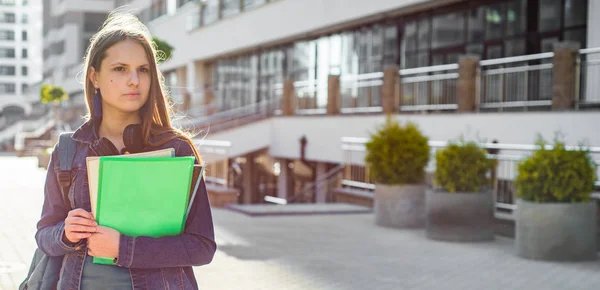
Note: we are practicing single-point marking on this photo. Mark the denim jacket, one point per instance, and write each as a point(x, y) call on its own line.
point(154, 263)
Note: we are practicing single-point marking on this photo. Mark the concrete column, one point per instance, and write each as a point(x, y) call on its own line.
point(287, 102)
point(333, 95)
point(249, 185)
point(284, 188)
point(389, 92)
point(321, 190)
point(563, 77)
point(467, 80)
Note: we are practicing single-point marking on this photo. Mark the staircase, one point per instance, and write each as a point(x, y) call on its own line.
point(325, 183)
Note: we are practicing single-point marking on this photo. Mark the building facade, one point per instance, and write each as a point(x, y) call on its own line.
point(20, 56)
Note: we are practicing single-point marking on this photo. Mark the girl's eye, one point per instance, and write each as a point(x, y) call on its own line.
point(144, 70)
point(119, 68)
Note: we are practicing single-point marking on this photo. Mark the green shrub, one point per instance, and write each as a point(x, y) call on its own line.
point(397, 155)
point(50, 93)
point(556, 175)
point(163, 49)
point(462, 167)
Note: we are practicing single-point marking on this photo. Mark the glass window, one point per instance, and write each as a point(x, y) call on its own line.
point(516, 15)
point(376, 49)
point(390, 50)
point(210, 11)
point(7, 35)
point(575, 12)
point(448, 30)
point(494, 17)
point(7, 70)
point(7, 88)
point(7, 53)
point(494, 51)
point(476, 25)
point(409, 39)
point(7, 17)
point(514, 47)
point(549, 11)
point(230, 7)
point(25, 18)
point(24, 88)
point(253, 3)
point(24, 35)
point(548, 44)
point(476, 49)
point(577, 35)
point(424, 33)
point(7, 2)
point(24, 71)
point(335, 54)
point(24, 53)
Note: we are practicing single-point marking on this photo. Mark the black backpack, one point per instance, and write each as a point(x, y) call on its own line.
point(45, 270)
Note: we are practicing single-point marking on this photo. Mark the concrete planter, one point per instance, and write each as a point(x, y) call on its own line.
point(460, 216)
point(400, 206)
point(556, 231)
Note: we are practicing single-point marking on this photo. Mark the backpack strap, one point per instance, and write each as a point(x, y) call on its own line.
point(66, 153)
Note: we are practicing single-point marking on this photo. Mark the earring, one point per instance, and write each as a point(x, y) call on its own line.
point(97, 104)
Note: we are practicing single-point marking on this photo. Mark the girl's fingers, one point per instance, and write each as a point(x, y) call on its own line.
point(81, 213)
point(79, 228)
point(81, 221)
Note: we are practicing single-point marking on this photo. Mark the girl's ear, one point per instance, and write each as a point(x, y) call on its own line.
point(93, 77)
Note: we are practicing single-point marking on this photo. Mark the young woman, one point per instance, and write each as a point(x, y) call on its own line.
point(123, 87)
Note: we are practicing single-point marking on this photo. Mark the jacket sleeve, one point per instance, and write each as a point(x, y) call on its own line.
point(194, 247)
point(51, 226)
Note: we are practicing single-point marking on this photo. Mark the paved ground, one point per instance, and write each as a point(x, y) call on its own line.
point(308, 252)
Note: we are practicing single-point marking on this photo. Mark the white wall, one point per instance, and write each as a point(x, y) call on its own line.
point(245, 139)
point(278, 20)
point(282, 134)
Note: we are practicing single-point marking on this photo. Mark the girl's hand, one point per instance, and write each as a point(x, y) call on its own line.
point(79, 225)
point(104, 243)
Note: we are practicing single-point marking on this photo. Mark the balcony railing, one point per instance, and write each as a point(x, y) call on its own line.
point(516, 82)
point(361, 93)
point(429, 88)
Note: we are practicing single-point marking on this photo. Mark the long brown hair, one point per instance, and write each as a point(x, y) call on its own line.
point(156, 113)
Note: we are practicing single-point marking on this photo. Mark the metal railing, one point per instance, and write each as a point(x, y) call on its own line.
point(516, 82)
point(588, 88)
point(230, 118)
point(507, 155)
point(361, 93)
point(429, 88)
point(310, 97)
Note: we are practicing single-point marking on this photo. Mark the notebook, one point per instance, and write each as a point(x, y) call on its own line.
point(93, 165)
point(145, 196)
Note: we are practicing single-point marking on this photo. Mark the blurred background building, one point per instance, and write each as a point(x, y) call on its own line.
point(281, 91)
point(20, 59)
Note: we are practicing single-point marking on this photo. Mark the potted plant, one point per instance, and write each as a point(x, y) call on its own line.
point(555, 218)
point(461, 206)
point(396, 156)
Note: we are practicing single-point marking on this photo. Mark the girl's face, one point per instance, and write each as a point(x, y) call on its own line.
point(124, 78)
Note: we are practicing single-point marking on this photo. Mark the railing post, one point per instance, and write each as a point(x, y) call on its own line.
point(563, 77)
point(209, 98)
point(287, 103)
point(467, 81)
point(333, 95)
point(389, 101)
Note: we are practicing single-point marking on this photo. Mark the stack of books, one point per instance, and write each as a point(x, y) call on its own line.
point(144, 194)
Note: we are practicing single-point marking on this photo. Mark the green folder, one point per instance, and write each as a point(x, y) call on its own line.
point(146, 196)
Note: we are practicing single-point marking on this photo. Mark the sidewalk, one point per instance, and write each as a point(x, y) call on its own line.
point(310, 252)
